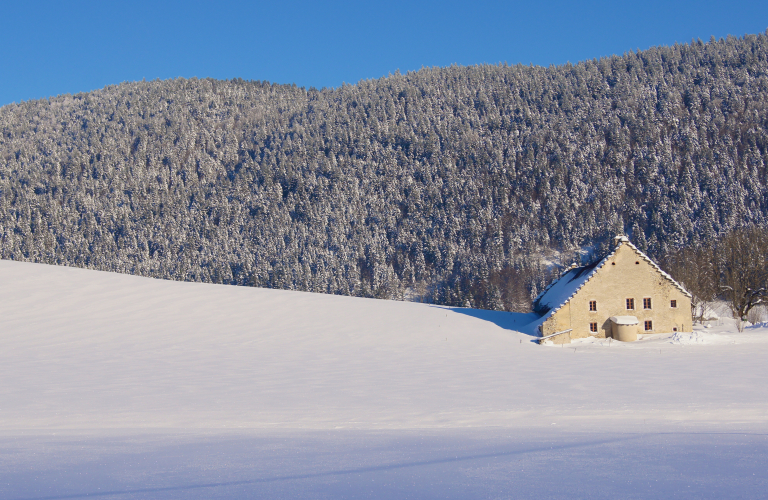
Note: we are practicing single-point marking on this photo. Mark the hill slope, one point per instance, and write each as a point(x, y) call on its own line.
point(91, 350)
point(117, 386)
point(443, 185)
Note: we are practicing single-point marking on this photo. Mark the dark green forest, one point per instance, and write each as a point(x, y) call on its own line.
point(459, 185)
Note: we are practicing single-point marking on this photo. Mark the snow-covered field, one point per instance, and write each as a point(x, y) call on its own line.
point(116, 386)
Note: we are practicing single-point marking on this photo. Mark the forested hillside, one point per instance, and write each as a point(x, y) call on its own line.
point(446, 184)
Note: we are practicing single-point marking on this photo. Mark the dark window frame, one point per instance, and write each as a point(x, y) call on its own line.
point(647, 303)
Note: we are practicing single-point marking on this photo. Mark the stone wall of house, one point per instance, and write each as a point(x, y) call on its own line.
point(626, 275)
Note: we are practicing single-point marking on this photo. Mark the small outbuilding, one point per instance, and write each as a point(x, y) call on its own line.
point(620, 296)
point(624, 328)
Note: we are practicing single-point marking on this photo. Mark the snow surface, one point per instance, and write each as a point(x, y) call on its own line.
point(117, 386)
point(699, 338)
point(624, 320)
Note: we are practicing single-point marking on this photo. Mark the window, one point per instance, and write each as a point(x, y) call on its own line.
point(593, 305)
point(647, 303)
point(630, 303)
point(672, 303)
point(593, 327)
point(648, 325)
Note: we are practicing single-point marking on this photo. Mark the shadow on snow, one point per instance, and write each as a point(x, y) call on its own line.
point(525, 323)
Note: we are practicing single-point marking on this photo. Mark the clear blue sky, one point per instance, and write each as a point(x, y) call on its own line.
point(54, 47)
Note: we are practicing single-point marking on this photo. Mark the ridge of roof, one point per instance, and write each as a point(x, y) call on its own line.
point(660, 270)
point(599, 265)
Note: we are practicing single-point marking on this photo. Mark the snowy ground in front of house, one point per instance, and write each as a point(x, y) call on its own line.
point(116, 386)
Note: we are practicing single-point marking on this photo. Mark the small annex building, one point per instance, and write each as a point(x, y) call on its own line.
point(620, 296)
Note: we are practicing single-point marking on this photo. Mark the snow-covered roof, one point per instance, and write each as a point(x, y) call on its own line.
point(624, 320)
point(560, 291)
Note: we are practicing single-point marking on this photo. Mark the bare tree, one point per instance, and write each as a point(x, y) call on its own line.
point(695, 269)
point(742, 260)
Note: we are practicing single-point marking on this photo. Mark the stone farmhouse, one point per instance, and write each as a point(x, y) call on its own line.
point(621, 296)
